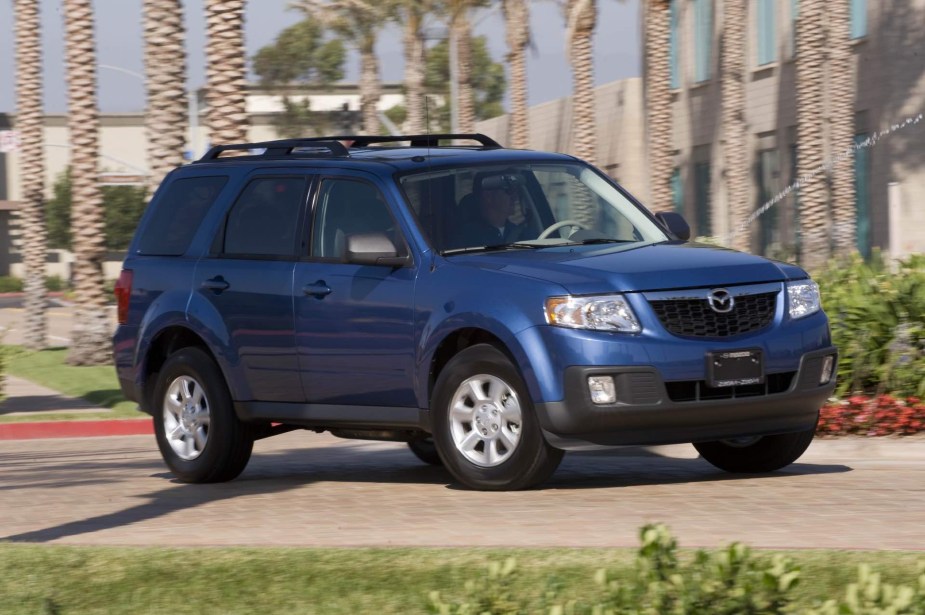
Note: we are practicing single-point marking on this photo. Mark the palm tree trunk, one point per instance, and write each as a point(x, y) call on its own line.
point(461, 33)
point(735, 131)
point(369, 85)
point(814, 215)
point(517, 22)
point(841, 75)
point(581, 20)
point(90, 343)
point(657, 28)
point(414, 72)
point(226, 117)
point(30, 123)
point(165, 68)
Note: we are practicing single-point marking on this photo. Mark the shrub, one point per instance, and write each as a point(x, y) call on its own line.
point(55, 283)
point(883, 415)
point(10, 284)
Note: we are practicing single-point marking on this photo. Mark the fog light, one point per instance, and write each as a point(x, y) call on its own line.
point(828, 366)
point(602, 389)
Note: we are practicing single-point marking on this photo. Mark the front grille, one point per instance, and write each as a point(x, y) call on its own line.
point(697, 390)
point(695, 317)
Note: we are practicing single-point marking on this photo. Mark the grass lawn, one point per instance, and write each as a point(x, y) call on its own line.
point(72, 580)
point(98, 385)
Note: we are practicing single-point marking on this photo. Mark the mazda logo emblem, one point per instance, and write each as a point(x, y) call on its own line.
point(721, 301)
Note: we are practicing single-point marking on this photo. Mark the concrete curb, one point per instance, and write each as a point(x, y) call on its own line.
point(76, 429)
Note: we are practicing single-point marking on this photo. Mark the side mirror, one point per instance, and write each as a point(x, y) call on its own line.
point(373, 249)
point(675, 223)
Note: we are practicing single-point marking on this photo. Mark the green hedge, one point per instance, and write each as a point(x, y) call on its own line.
point(729, 581)
point(877, 315)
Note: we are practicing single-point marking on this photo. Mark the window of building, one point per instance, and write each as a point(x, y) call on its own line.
point(794, 14)
point(769, 223)
point(702, 209)
point(858, 18)
point(862, 195)
point(703, 39)
point(179, 212)
point(766, 22)
point(263, 221)
point(677, 191)
point(673, 44)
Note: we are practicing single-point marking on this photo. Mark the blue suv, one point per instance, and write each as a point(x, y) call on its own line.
point(491, 307)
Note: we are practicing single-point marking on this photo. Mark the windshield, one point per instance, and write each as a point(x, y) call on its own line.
point(526, 205)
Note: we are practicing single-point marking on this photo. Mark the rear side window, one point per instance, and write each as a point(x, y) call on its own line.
point(264, 219)
point(178, 214)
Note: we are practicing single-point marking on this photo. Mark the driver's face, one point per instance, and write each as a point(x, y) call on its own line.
point(497, 206)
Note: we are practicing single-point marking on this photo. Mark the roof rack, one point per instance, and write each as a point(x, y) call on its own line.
point(311, 148)
point(336, 147)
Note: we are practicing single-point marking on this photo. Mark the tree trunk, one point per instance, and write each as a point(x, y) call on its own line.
point(657, 28)
point(90, 336)
point(166, 118)
point(226, 117)
point(461, 33)
point(735, 130)
point(841, 84)
point(517, 22)
point(414, 73)
point(582, 18)
point(30, 124)
point(369, 85)
point(814, 214)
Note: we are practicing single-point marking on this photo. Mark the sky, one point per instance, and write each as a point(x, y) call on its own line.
point(617, 50)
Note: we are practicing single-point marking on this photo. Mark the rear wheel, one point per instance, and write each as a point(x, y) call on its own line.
point(757, 454)
point(197, 431)
point(484, 425)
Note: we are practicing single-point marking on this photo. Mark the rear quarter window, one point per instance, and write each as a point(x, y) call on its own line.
point(178, 214)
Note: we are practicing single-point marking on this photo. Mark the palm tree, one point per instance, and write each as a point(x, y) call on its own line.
point(461, 39)
point(411, 13)
point(358, 21)
point(735, 130)
point(226, 117)
point(810, 52)
point(841, 84)
point(656, 31)
point(581, 19)
point(90, 343)
point(29, 122)
point(517, 22)
point(165, 67)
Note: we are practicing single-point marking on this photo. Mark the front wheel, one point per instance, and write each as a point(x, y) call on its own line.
point(756, 455)
point(197, 431)
point(484, 425)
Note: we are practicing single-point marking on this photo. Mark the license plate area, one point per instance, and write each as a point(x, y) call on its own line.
point(730, 368)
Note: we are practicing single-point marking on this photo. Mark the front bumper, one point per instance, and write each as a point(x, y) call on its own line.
point(645, 412)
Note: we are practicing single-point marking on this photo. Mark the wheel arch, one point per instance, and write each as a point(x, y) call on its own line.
point(165, 343)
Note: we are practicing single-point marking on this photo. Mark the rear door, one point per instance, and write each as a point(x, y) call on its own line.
point(354, 322)
point(247, 277)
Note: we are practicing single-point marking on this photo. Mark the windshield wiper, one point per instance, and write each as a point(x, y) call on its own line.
point(590, 242)
point(492, 248)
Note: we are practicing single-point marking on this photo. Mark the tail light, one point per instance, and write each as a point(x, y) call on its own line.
point(123, 290)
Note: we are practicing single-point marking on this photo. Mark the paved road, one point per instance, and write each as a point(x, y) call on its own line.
point(308, 489)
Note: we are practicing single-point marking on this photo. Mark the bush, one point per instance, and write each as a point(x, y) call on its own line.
point(729, 581)
point(10, 284)
point(55, 283)
point(872, 416)
point(878, 323)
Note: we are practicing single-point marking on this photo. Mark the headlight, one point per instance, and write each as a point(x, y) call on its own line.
point(601, 313)
point(803, 298)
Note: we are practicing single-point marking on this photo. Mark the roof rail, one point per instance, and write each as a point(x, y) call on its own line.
point(429, 140)
point(317, 148)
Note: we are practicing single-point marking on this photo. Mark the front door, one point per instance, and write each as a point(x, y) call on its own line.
point(354, 322)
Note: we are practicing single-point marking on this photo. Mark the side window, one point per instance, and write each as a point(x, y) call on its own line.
point(263, 220)
point(177, 215)
point(346, 207)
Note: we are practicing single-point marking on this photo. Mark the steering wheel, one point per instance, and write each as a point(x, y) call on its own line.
point(557, 225)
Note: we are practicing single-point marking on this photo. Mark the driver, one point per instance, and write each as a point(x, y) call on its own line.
point(494, 224)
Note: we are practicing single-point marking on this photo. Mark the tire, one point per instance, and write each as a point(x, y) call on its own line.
point(209, 444)
point(493, 440)
point(425, 450)
point(766, 454)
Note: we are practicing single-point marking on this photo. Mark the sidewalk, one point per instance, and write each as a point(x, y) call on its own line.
point(24, 398)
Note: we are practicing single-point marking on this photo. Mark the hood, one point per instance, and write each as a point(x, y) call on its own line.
point(634, 268)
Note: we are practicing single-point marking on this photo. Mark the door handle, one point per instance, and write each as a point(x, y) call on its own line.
point(317, 289)
point(216, 284)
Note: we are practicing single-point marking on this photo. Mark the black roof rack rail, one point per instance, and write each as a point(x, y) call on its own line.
point(429, 140)
point(330, 147)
